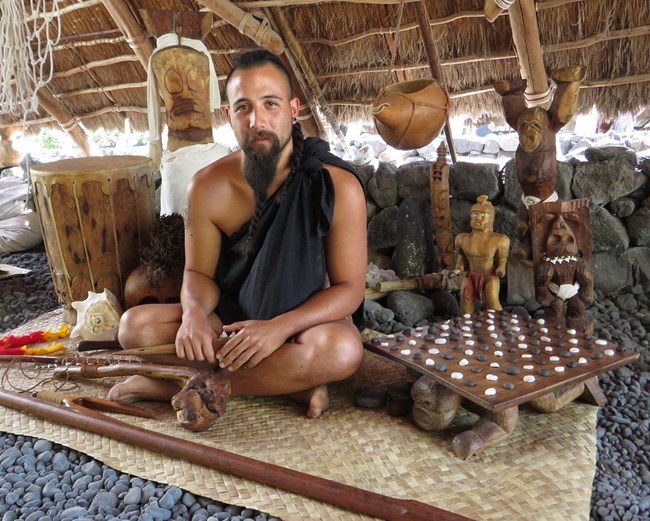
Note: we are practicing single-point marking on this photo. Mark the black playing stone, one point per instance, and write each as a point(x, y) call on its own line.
point(587, 337)
point(374, 340)
point(565, 354)
point(535, 350)
point(448, 356)
point(476, 370)
point(407, 331)
point(509, 385)
point(560, 344)
point(457, 347)
point(399, 338)
point(534, 342)
point(424, 347)
point(481, 338)
point(482, 357)
point(393, 347)
point(571, 364)
point(417, 356)
point(432, 329)
point(471, 383)
point(441, 368)
point(587, 345)
point(484, 347)
point(429, 337)
point(596, 356)
point(512, 370)
point(513, 359)
point(545, 372)
point(512, 350)
point(540, 361)
point(454, 337)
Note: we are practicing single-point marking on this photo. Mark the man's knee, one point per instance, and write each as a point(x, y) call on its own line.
point(346, 351)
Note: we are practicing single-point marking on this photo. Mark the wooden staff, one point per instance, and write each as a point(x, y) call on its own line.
point(321, 489)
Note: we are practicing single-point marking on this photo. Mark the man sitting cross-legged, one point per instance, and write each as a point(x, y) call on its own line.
point(275, 246)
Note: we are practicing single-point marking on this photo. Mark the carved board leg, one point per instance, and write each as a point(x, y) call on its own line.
point(553, 402)
point(490, 429)
point(434, 406)
point(593, 394)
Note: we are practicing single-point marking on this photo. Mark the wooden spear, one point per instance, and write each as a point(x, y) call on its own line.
point(321, 489)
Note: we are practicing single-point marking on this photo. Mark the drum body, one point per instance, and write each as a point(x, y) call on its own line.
point(96, 214)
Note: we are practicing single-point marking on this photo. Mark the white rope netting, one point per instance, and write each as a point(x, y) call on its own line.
point(29, 30)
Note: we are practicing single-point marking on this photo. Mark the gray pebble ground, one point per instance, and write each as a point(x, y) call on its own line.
point(41, 481)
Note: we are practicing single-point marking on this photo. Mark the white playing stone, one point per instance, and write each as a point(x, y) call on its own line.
point(601, 342)
point(490, 391)
point(466, 328)
point(559, 369)
point(494, 364)
point(609, 352)
point(417, 335)
point(434, 351)
point(390, 336)
point(522, 346)
point(444, 334)
point(574, 350)
point(498, 353)
point(544, 339)
point(529, 367)
point(405, 352)
point(494, 335)
point(440, 341)
point(385, 344)
point(529, 378)
point(573, 341)
point(412, 342)
point(526, 355)
point(548, 349)
point(571, 331)
point(498, 343)
point(463, 362)
point(521, 337)
point(491, 377)
point(554, 358)
point(469, 342)
point(543, 330)
point(467, 315)
point(469, 352)
point(491, 327)
point(457, 376)
point(516, 328)
point(582, 360)
point(541, 321)
point(444, 327)
point(429, 361)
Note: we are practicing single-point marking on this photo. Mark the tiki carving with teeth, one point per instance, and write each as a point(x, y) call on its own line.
point(561, 244)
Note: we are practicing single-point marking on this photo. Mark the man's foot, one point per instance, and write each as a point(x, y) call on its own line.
point(138, 388)
point(317, 400)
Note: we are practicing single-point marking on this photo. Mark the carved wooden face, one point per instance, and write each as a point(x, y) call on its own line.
point(561, 241)
point(183, 77)
point(482, 217)
point(530, 126)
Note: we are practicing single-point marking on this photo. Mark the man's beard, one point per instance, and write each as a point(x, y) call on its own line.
point(260, 164)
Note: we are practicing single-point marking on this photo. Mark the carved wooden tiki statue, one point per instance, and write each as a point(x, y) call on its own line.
point(561, 245)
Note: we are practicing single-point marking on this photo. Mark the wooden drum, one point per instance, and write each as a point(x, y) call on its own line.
point(96, 213)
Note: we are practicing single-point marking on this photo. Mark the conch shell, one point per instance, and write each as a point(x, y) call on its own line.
point(98, 316)
point(411, 114)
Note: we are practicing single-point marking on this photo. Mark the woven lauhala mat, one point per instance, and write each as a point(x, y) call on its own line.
point(543, 471)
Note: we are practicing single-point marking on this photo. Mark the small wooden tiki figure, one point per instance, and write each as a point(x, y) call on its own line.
point(561, 242)
point(439, 186)
point(535, 158)
point(483, 254)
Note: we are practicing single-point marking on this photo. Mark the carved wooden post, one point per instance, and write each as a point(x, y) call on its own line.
point(439, 186)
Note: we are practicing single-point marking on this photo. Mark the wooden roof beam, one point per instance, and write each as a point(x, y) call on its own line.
point(136, 37)
point(246, 24)
point(66, 120)
point(301, 62)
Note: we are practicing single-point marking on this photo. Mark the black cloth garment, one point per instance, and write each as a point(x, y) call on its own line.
point(288, 265)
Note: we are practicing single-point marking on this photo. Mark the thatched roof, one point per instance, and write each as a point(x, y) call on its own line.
point(345, 52)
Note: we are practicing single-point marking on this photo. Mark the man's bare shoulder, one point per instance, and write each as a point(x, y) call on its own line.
point(344, 178)
point(224, 170)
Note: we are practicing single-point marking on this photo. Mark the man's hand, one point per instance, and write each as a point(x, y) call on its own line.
point(251, 341)
point(194, 338)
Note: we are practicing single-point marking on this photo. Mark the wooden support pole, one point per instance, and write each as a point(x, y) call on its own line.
point(246, 24)
point(328, 491)
point(130, 27)
point(427, 37)
point(64, 118)
point(525, 33)
point(301, 61)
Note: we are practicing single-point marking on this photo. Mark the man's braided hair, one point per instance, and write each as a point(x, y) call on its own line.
point(249, 60)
